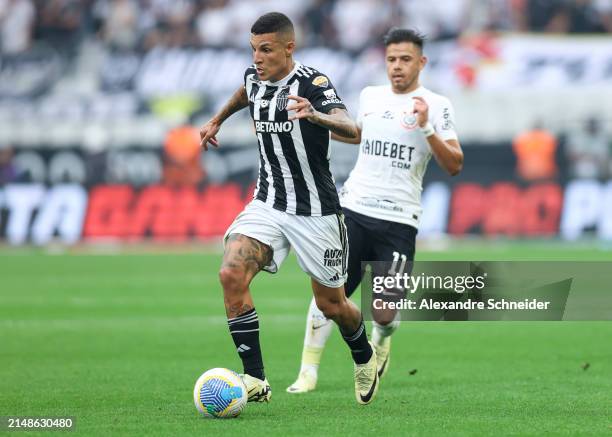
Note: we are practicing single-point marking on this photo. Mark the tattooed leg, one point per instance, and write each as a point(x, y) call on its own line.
point(244, 257)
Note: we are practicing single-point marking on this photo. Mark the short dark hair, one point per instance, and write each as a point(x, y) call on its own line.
point(272, 22)
point(397, 35)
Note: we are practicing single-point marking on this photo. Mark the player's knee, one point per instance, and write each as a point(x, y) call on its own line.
point(232, 279)
point(384, 319)
point(331, 309)
point(384, 322)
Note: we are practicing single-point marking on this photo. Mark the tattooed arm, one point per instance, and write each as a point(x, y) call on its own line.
point(337, 121)
point(209, 131)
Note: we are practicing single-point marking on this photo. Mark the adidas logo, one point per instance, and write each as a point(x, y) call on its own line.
point(243, 348)
point(336, 277)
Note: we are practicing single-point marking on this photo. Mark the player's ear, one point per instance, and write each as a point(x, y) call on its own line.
point(289, 47)
point(423, 62)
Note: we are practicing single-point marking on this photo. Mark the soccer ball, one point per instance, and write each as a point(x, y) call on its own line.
point(220, 392)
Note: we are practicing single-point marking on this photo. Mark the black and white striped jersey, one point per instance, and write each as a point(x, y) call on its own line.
point(294, 174)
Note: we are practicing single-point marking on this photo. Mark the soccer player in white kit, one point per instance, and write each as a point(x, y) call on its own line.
point(401, 125)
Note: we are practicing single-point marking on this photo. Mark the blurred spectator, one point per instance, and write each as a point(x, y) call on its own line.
point(604, 12)
point(489, 15)
point(182, 157)
point(356, 21)
point(59, 22)
point(16, 22)
point(584, 17)
point(546, 15)
point(587, 151)
point(8, 173)
point(440, 19)
point(214, 23)
point(174, 22)
point(535, 154)
point(318, 27)
point(120, 23)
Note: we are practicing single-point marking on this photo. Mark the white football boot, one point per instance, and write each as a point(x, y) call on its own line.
point(257, 390)
point(383, 356)
point(366, 380)
point(305, 382)
point(307, 378)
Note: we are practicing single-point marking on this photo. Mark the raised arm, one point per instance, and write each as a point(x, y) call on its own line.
point(448, 153)
point(208, 132)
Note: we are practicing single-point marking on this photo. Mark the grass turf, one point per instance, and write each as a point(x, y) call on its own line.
point(118, 342)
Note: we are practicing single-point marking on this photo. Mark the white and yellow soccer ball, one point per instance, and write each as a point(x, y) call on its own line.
point(220, 392)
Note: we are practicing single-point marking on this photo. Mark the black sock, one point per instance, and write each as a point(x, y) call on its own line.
point(245, 333)
point(358, 342)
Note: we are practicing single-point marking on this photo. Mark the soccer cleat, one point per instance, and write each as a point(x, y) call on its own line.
point(366, 380)
point(383, 356)
point(305, 382)
point(257, 390)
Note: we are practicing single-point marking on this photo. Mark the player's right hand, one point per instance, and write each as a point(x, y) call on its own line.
point(208, 134)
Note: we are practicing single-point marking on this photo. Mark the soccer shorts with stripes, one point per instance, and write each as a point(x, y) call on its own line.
point(320, 242)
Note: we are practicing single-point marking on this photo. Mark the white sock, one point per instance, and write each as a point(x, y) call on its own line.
point(318, 329)
point(382, 333)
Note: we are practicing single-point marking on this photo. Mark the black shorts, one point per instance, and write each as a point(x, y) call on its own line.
point(372, 239)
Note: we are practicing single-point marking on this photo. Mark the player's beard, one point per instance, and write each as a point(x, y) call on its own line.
point(408, 84)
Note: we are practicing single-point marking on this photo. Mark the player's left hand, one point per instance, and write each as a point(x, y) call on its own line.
point(421, 111)
point(303, 109)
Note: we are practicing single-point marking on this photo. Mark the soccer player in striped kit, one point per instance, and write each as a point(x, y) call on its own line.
point(294, 109)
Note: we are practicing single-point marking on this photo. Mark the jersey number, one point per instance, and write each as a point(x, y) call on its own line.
point(402, 266)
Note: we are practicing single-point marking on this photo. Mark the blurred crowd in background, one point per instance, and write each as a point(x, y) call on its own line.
point(348, 24)
point(101, 102)
point(349, 28)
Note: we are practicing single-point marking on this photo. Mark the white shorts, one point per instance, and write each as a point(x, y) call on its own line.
point(320, 243)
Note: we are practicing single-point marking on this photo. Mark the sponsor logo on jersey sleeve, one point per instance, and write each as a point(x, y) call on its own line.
point(446, 123)
point(320, 81)
point(331, 97)
point(330, 94)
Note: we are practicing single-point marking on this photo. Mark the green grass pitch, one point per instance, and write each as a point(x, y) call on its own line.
point(118, 342)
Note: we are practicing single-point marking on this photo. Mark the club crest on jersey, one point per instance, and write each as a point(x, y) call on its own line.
point(320, 81)
point(408, 121)
point(252, 95)
point(281, 99)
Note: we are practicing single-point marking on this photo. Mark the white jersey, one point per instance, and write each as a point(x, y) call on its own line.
point(387, 180)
